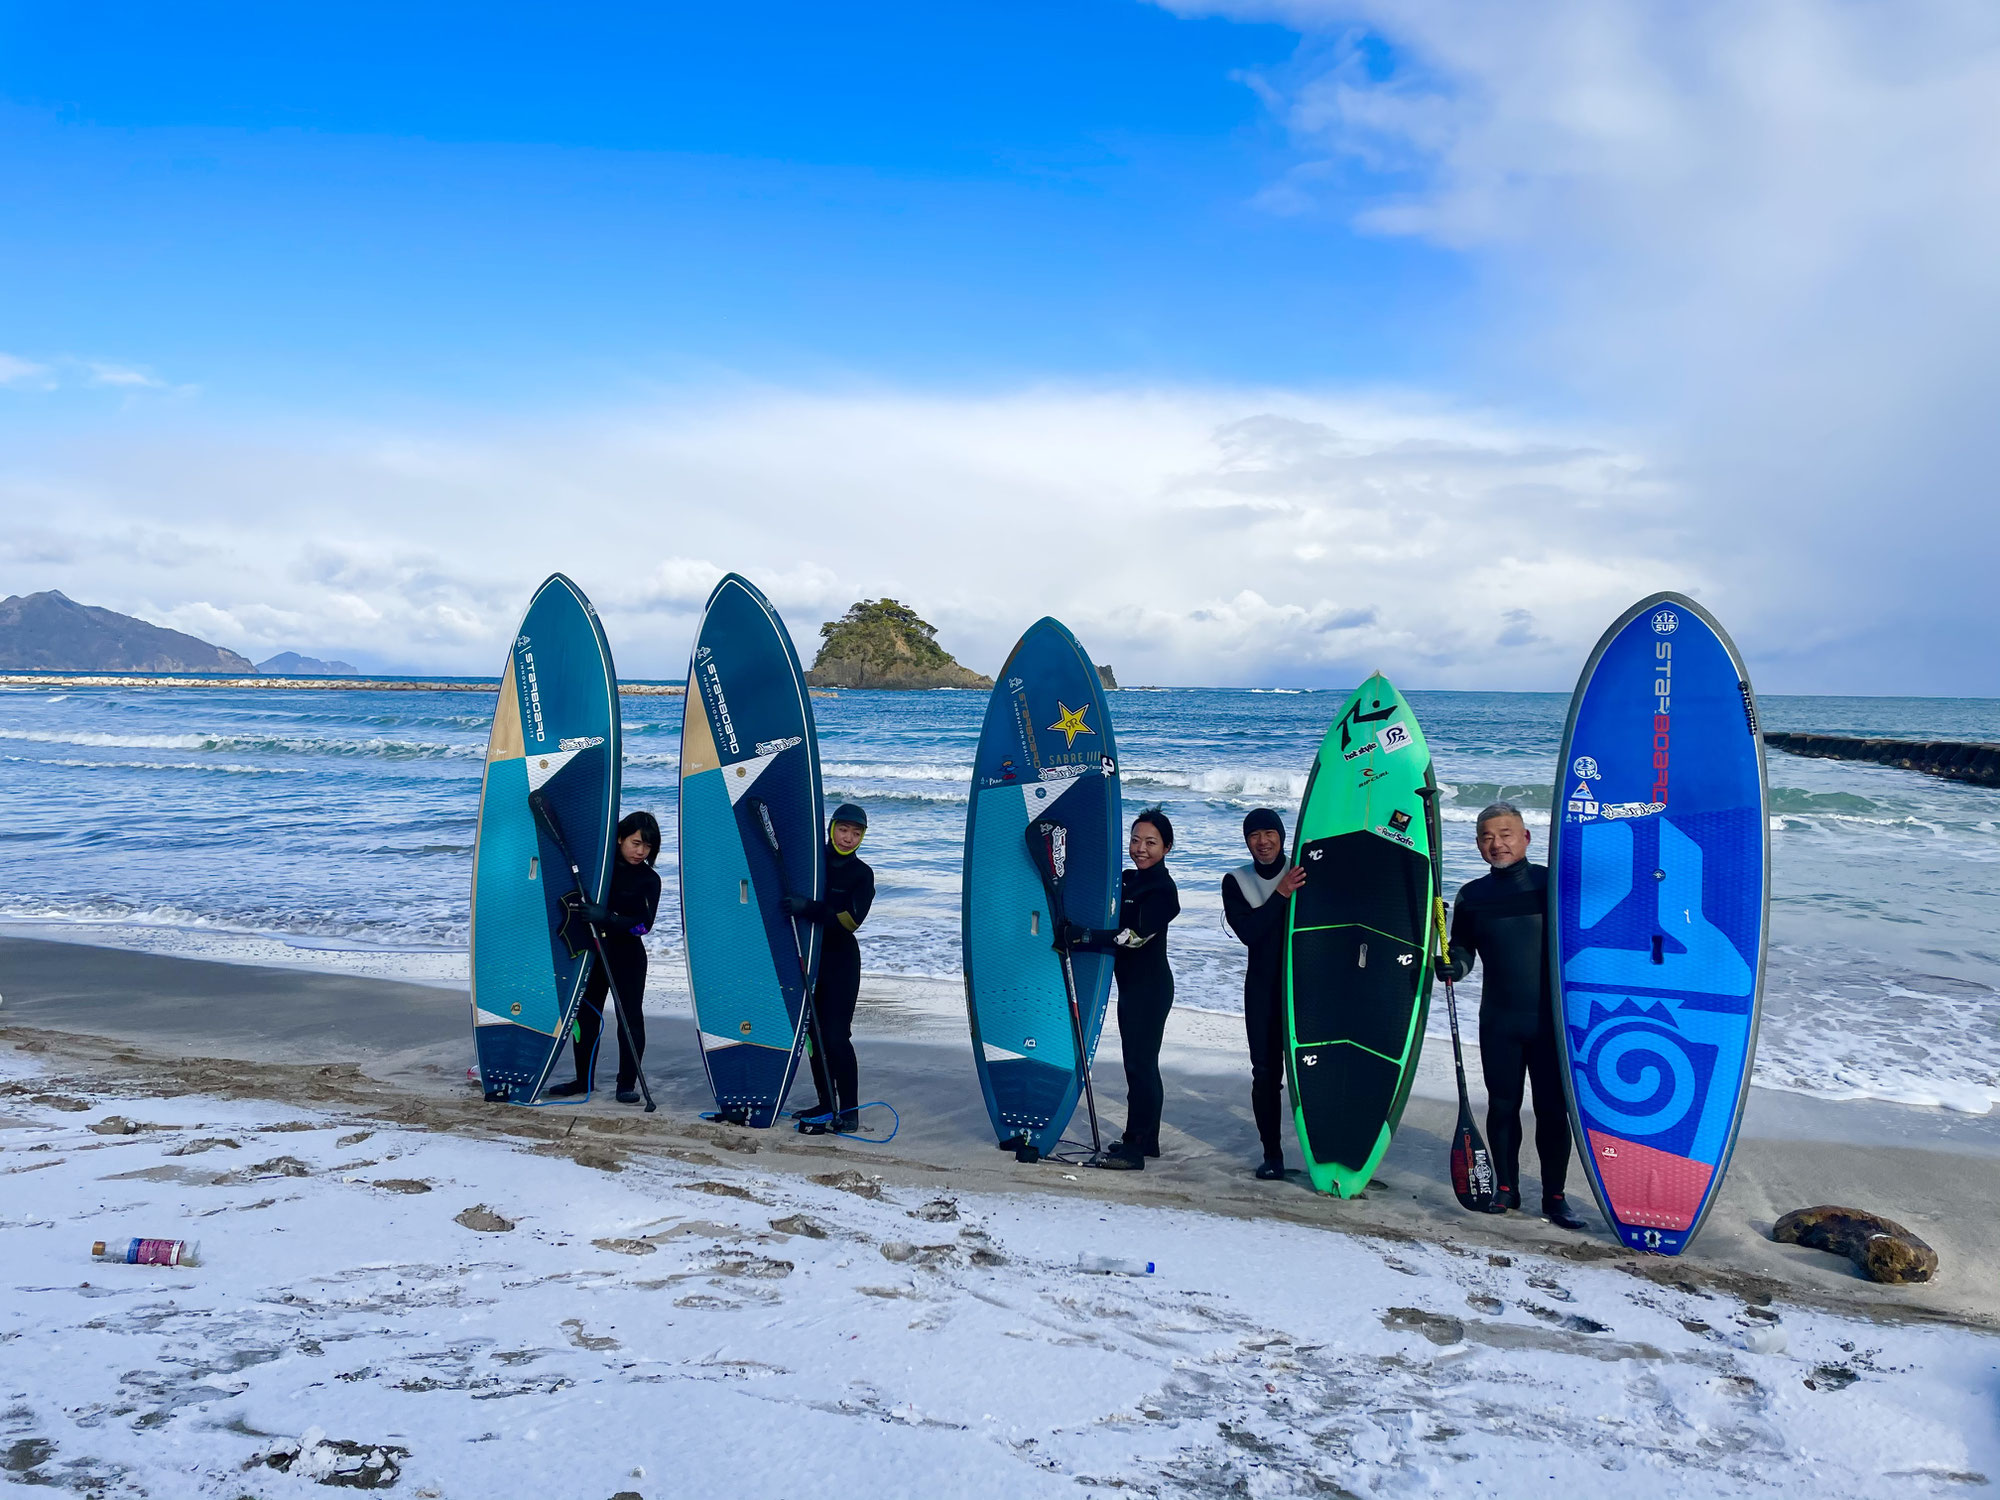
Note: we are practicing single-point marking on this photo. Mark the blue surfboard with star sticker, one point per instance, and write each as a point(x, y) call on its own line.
point(1046, 758)
point(1660, 880)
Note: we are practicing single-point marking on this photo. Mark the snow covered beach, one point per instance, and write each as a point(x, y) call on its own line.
point(664, 1316)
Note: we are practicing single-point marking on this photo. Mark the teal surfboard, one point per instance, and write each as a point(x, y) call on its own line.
point(555, 731)
point(1045, 757)
point(751, 828)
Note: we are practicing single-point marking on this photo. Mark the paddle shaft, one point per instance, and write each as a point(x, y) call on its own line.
point(1050, 888)
point(1478, 1161)
point(770, 831)
point(546, 814)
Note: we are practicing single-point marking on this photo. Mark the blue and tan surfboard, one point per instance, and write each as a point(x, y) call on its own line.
point(750, 785)
point(555, 731)
point(1046, 751)
point(1660, 880)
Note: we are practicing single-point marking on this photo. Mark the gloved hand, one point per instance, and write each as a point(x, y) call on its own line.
point(804, 908)
point(574, 903)
point(1069, 935)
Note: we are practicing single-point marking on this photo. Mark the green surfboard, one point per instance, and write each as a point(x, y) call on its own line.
point(1359, 981)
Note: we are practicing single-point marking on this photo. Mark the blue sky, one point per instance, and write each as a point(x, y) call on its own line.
point(483, 203)
point(1333, 334)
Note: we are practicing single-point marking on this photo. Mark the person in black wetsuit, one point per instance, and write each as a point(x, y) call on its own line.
point(1500, 921)
point(625, 917)
point(1148, 901)
point(850, 891)
point(1256, 899)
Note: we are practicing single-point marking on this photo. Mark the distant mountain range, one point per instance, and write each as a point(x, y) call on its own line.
point(51, 632)
point(291, 664)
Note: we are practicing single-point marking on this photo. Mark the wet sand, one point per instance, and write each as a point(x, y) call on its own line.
point(149, 1026)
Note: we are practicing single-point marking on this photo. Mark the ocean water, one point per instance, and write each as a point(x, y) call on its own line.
point(335, 829)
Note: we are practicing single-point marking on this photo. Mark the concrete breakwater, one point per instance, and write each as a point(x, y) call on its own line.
point(1955, 761)
point(296, 684)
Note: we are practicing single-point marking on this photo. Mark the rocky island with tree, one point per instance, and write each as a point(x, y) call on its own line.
point(879, 643)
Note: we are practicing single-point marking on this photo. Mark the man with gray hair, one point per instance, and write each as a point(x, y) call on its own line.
point(1500, 922)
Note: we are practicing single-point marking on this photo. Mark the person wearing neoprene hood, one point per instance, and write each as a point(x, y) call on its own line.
point(1501, 922)
point(623, 918)
point(1256, 901)
point(850, 891)
point(1148, 901)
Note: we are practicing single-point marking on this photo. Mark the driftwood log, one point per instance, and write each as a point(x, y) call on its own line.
point(1883, 1249)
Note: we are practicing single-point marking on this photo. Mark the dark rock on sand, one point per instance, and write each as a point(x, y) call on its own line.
point(1883, 1249)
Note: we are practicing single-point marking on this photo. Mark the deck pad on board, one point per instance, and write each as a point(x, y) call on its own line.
point(1659, 881)
point(1358, 983)
point(748, 751)
point(555, 731)
point(1045, 752)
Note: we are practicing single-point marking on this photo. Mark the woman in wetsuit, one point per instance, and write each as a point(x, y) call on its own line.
point(850, 891)
point(624, 918)
point(1148, 901)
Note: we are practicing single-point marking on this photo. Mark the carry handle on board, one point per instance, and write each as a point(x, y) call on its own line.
point(1471, 1163)
point(1048, 846)
point(761, 815)
point(545, 814)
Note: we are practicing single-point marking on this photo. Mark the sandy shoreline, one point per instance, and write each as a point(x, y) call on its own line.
point(145, 1025)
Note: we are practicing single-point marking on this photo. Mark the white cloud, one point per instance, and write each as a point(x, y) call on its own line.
point(1756, 235)
point(17, 371)
point(122, 375)
point(1187, 535)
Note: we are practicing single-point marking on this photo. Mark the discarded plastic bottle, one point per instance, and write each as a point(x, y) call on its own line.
point(150, 1252)
point(1114, 1265)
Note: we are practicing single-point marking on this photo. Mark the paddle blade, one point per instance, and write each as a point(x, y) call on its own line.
point(1471, 1166)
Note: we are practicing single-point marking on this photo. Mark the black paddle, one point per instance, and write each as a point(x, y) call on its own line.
point(1471, 1164)
point(540, 806)
point(770, 831)
point(1048, 843)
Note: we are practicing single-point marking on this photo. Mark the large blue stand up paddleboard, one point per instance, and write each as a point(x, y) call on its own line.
point(1046, 755)
point(751, 827)
point(555, 731)
point(1660, 880)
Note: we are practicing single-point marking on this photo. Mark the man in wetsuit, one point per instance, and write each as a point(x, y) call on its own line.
point(1500, 921)
point(850, 891)
point(1256, 899)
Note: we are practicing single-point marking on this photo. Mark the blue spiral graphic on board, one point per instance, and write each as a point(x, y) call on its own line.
point(1635, 1077)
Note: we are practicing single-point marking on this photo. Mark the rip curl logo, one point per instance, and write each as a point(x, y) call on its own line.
point(1665, 622)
